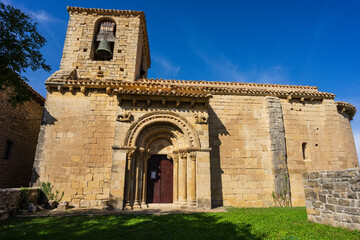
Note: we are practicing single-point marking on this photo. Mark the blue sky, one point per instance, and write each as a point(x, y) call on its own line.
point(313, 42)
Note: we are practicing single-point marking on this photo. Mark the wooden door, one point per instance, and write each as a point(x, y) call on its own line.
point(159, 180)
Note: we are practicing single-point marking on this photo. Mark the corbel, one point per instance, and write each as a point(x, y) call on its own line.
point(178, 102)
point(289, 98)
point(108, 90)
point(71, 89)
point(83, 89)
point(59, 88)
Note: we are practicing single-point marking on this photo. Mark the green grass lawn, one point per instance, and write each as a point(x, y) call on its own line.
point(238, 223)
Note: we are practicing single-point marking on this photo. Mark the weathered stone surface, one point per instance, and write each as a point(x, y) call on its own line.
point(342, 208)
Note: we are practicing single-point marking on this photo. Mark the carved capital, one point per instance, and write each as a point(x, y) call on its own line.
point(183, 155)
point(124, 116)
point(201, 118)
point(174, 157)
point(131, 154)
point(192, 156)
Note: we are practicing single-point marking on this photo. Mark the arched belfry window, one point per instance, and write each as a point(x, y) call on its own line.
point(104, 39)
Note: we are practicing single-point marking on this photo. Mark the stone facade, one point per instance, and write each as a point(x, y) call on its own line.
point(19, 130)
point(231, 144)
point(333, 197)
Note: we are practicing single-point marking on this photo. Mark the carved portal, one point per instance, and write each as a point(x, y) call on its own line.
point(161, 133)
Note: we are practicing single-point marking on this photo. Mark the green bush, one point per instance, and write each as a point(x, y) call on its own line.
point(50, 192)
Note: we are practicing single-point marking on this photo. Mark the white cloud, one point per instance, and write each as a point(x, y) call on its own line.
point(41, 16)
point(166, 65)
point(6, 2)
point(226, 70)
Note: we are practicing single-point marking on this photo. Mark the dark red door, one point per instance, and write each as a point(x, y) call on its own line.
point(159, 180)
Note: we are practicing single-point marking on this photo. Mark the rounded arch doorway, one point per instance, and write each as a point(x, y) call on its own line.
point(157, 168)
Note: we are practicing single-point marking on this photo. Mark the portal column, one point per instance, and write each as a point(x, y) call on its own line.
point(132, 179)
point(129, 177)
point(175, 158)
point(182, 179)
point(144, 177)
point(191, 183)
point(137, 180)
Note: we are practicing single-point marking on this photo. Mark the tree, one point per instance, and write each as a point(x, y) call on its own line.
point(20, 45)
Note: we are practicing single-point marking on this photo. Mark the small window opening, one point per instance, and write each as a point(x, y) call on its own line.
point(121, 69)
point(85, 49)
point(8, 147)
point(304, 150)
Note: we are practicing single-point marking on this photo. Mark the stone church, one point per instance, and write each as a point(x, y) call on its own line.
point(112, 137)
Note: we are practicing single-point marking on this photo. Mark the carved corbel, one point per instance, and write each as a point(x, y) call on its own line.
point(177, 104)
point(48, 88)
point(108, 90)
point(289, 98)
point(71, 89)
point(201, 118)
point(163, 102)
point(148, 102)
point(59, 88)
point(124, 116)
point(134, 102)
point(83, 89)
point(192, 104)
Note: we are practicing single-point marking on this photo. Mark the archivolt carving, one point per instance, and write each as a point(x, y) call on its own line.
point(163, 120)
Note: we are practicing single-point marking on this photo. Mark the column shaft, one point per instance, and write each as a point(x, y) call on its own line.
point(175, 179)
point(183, 179)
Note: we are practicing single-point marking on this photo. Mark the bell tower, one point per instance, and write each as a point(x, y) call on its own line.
point(105, 45)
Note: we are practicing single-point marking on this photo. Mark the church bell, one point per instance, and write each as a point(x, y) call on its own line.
point(105, 37)
point(104, 49)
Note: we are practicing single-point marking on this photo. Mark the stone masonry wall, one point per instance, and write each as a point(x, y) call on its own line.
point(333, 197)
point(315, 123)
point(10, 199)
point(20, 125)
point(241, 157)
point(74, 151)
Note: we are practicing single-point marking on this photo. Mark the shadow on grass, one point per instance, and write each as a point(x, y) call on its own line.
point(182, 226)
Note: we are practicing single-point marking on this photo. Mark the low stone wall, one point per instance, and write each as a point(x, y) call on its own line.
point(11, 199)
point(333, 197)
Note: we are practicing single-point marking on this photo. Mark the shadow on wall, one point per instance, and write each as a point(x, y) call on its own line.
point(129, 226)
point(47, 119)
point(216, 129)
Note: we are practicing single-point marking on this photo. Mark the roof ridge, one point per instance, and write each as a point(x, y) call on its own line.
point(228, 83)
point(70, 8)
